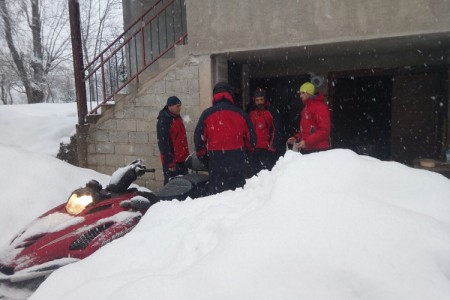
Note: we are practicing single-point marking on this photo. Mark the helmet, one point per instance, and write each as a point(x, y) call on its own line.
point(308, 87)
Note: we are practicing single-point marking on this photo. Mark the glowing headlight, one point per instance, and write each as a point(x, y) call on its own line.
point(76, 203)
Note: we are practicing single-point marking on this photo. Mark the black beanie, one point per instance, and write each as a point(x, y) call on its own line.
point(173, 100)
point(223, 87)
point(260, 92)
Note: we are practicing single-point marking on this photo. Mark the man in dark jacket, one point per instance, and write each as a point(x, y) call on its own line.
point(223, 136)
point(265, 120)
point(172, 140)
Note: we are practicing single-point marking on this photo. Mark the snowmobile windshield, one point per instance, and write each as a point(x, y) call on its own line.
point(77, 203)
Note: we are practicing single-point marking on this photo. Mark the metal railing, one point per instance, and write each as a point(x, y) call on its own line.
point(155, 33)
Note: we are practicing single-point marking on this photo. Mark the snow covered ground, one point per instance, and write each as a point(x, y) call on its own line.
point(331, 225)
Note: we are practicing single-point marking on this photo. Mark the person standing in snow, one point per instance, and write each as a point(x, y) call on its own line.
point(172, 140)
point(222, 137)
point(265, 120)
point(314, 134)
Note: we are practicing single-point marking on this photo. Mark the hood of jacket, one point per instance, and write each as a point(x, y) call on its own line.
point(222, 96)
point(317, 98)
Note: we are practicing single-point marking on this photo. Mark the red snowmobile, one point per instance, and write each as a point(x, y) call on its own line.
point(91, 218)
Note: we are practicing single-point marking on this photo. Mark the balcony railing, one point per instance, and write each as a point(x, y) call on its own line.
point(155, 33)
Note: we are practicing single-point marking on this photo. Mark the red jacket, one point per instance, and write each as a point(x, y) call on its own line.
point(266, 127)
point(223, 134)
point(315, 124)
point(172, 140)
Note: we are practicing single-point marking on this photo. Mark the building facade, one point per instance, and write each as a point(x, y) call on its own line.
point(383, 65)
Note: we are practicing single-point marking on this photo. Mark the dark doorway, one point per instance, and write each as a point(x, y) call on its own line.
point(419, 114)
point(361, 114)
point(282, 93)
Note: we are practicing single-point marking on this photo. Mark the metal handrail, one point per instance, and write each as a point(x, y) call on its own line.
point(144, 42)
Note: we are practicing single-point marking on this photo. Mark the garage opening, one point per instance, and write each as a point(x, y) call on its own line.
point(361, 115)
point(398, 114)
point(360, 110)
point(282, 93)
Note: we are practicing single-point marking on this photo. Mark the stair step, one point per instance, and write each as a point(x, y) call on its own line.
point(93, 119)
point(106, 106)
point(157, 67)
point(164, 62)
point(120, 97)
point(181, 50)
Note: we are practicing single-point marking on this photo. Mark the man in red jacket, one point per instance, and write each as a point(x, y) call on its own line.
point(314, 134)
point(172, 140)
point(265, 120)
point(222, 137)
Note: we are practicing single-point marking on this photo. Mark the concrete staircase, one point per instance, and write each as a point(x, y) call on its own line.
point(125, 129)
point(156, 68)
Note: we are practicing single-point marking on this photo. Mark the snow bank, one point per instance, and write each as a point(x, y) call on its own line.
point(331, 225)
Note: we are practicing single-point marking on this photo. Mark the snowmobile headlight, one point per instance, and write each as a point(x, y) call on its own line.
point(77, 203)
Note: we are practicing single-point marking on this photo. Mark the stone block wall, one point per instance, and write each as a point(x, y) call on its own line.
point(127, 130)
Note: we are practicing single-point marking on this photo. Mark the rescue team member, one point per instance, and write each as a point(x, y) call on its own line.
point(172, 140)
point(314, 134)
point(223, 136)
point(265, 120)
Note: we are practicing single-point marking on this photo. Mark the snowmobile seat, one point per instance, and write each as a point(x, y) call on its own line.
point(181, 187)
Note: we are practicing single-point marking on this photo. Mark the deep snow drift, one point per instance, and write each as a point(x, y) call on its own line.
point(331, 225)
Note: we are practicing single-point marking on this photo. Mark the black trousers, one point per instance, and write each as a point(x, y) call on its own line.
point(261, 159)
point(180, 169)
point(223, 181)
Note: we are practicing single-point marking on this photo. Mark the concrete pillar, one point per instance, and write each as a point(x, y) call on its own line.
point(205, 82)
point(81, 138)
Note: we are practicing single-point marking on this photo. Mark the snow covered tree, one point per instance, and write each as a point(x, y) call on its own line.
point(99, 25)
point(35, 45)
point(37, 42)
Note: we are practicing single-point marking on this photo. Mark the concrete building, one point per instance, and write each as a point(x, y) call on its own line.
point(383, 65)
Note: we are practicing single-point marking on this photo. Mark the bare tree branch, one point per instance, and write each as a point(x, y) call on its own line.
point(17, 57)
point(35, 48)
